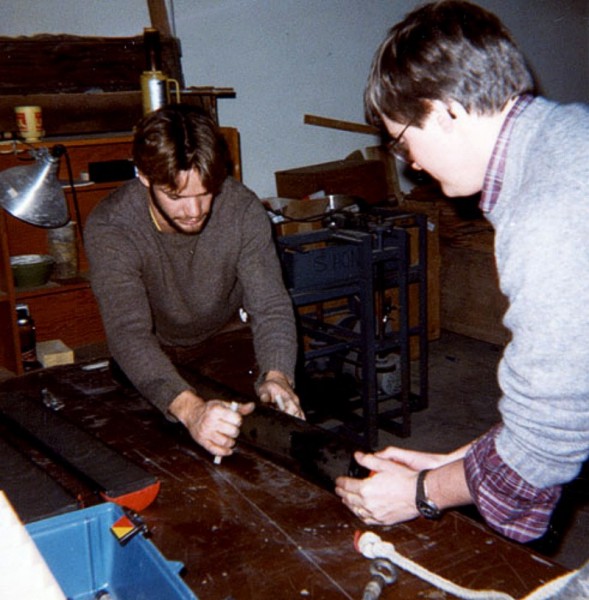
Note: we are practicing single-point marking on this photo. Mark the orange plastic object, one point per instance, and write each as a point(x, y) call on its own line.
point(357, 536)
point(138, 500)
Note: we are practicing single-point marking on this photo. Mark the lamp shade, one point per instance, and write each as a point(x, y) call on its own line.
point(33, 193)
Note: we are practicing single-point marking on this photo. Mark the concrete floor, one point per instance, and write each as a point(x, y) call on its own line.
point(463, 394)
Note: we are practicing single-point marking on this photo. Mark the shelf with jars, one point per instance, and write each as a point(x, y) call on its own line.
point(64, 308)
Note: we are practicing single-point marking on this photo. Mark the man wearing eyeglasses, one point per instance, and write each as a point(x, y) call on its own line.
point(451, 88)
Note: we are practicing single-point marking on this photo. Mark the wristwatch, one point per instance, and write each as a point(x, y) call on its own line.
point(424, 505)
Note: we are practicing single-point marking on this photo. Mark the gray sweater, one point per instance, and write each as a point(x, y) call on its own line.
point(542, 250)
point(173, 289)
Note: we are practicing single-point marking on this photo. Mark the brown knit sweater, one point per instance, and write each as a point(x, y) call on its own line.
point(173, 289)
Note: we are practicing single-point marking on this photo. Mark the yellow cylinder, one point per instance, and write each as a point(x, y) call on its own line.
point(155, 90)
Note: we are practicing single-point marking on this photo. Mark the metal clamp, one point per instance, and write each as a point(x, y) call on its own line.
point(383, 573)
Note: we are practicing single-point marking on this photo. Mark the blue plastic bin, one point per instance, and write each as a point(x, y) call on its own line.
point(86, 558)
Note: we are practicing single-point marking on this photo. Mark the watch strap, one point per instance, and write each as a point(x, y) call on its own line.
point(425, 506)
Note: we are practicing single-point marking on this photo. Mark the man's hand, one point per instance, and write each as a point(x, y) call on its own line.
point(212, 423)
point(388, 495)
point(277, 389)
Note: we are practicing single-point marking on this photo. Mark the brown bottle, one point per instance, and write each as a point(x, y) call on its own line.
point(28, 337)
point(153, 49)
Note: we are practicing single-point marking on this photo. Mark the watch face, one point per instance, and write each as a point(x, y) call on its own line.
point(429, 511)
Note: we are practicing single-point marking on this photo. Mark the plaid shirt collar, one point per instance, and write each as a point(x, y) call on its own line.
point(496, 168)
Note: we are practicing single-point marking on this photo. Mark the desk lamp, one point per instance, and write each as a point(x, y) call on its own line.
point(32, 193)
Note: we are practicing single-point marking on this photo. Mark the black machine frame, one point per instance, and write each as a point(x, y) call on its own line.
point(360, 259)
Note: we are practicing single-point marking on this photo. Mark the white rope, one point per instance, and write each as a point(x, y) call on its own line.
point(371, 546)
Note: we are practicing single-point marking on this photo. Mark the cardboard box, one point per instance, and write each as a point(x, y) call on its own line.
point(54, 352)
point(471, 301)
point(363, 178)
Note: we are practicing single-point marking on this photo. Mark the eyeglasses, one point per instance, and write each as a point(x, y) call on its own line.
point(398, 148)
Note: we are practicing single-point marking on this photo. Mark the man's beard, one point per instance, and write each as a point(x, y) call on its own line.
point(170, 221)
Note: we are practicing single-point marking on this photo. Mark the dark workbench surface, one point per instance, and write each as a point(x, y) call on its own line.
point(250, 529)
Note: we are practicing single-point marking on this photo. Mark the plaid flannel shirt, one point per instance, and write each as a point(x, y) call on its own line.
point(508, 503)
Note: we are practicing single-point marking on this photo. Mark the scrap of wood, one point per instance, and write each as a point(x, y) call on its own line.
point(158, 14)
point(210, 90)
point(339, 124)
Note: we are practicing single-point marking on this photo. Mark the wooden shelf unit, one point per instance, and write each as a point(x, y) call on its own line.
point(64, 310)
point(61, 310)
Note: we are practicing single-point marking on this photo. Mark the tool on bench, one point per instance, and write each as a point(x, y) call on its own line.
point(383, 573)
point(280, 402)
point(234, 407)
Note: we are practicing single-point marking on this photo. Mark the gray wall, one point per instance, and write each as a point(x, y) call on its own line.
point(288, 58)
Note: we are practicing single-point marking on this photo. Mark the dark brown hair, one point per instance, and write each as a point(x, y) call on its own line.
point(446, 50)
point(178, 138)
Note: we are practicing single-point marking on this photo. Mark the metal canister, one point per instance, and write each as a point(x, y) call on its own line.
point(155, 90)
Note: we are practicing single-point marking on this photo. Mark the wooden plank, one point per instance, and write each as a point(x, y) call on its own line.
point(105, 113)
point(339, 124)
point(10, 346)
point(158, 13)
point(433, 266)
point(231, 135)
point(83, 84)
point(45, 64)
